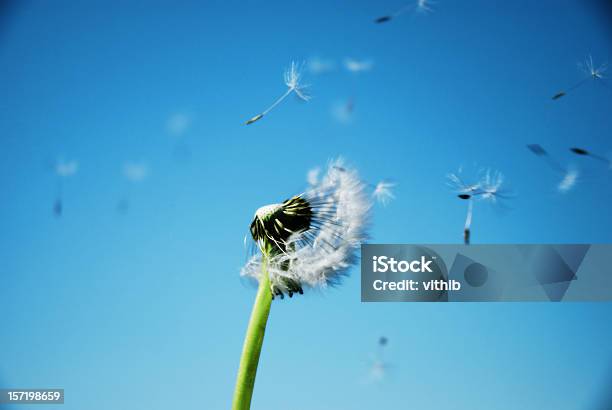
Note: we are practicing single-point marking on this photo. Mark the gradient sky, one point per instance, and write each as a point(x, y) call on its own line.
point(146, 310)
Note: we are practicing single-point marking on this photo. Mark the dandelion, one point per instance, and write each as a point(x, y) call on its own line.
point(62, 169)
point(383, 192)
point(292, 81)
point(420, 6)
point(591, 72)
point(488, 187)
point(306, 241)
point(569, 175)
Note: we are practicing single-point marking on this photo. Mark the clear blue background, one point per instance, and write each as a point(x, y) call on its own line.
point(146, 310)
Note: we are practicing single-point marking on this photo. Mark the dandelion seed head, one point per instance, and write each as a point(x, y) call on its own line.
point(66, 168)
point(383, 192)
point(312, 238)
point(569, 181)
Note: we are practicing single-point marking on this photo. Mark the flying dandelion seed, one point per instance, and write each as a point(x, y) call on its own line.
point(62, 169)
point(383, 192)
point(585, 153)
point(342, 111)
point(178, 124)
point(356, 66)
point(420, 6)
point(568, 181)
point(135, 172)
point(592, 72)
point(378, 367)
point(319, 66)
point(66, 168)
point(309, 240)
point(378, 370)
point(292, 81)
point(488, 187)
point(569, 175)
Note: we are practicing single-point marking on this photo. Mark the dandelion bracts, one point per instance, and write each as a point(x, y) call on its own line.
point(306, 241)
point(292, 81)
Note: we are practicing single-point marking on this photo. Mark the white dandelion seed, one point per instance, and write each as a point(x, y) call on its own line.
point(487, 187)
point(320, 66)
point(292, 81)
point(425, 6)
point(62, 169)
point(568, 181)
point(357, 66)
point(591, 71)
point(178, 124)
point(383, 192)
point(66, 168)
point(311, 238)
point(312, 177)
point(569, 174)
point(135, 171)
point(378, 368)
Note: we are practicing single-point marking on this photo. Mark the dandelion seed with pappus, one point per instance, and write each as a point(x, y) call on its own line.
point(583, 152)
point(292, 81)
point(569, 174)
point(488, 187)
point(383, 192)
point(420, 6)
point(307, 241)
point(62, 169)
point(592, 72)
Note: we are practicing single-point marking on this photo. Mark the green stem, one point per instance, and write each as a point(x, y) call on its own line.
point(252, 342)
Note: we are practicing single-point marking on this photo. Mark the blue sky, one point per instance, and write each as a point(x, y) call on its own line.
point(146, 309)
